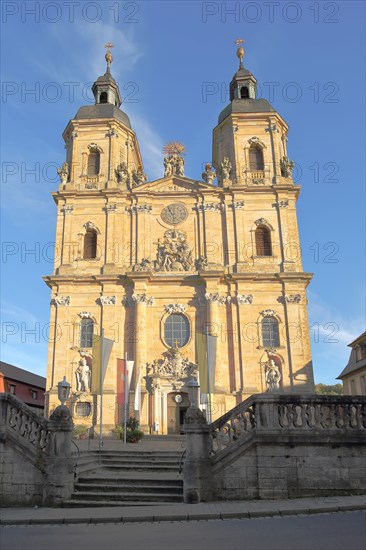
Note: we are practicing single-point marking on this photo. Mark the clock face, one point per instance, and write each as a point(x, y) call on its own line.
point(174, 213)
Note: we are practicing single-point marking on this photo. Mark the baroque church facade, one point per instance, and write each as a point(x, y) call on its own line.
point(153, 262)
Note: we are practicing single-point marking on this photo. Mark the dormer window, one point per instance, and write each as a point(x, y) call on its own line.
point(103, 97)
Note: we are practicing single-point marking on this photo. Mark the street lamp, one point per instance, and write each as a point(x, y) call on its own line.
point(63, 389)
point(193, 386)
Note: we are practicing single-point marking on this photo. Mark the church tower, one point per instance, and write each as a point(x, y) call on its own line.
point(154, 262)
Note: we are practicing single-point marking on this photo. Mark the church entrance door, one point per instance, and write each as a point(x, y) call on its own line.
point(178, 404)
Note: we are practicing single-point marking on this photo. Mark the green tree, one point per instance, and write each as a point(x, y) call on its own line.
point(325, 389)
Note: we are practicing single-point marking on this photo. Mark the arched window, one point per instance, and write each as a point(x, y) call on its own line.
point(90, 245)
point(93, 163)
point(86, 333)
point(263, 241)
point(270, 332)
point(244, 92)
point(103, 97)
point(256, 161)
point(176, 330)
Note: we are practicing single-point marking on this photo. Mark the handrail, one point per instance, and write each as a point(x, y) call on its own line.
point(287, 413)
point(181, 461)
point(19, 420)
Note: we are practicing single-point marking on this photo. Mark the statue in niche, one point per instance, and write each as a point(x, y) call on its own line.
point(273, 376)
point(209, 174)
point(122, 174)
point(286, 166)
point(83, 376)
point(63, 173)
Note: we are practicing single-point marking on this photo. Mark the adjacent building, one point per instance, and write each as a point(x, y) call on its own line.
point(26, 386)
point(353, 375)
point(154, 262)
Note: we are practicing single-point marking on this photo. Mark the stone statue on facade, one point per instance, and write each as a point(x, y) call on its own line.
point(209, 174)
point(83, 376)
point(202, 263)
point(286, 166)
point(138, 176)
point(173, 165)
point(145, 265)
point(63, 173)
point(122, 174)
point(174, 253)
point(273, 376)
point(225, 169)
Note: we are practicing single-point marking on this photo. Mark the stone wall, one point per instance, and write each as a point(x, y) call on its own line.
point(35, 457)
point(21, 480)
point(283, 446)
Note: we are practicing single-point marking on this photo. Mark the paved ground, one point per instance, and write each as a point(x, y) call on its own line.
point(180, 511)
point(336, 531)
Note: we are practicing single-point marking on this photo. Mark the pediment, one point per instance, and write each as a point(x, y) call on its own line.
point(171, 184)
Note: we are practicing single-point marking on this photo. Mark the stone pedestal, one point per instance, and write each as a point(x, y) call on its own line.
point(59, 468)
point(196, 471)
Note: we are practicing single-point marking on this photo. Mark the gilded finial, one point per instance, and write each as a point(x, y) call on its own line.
point(108, 55)
point(240, 51)
point(174, 148)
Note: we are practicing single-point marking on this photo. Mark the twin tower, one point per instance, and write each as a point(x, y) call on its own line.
point(153, 262)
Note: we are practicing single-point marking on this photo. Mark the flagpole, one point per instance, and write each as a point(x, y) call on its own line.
point(125, 402)
point(208, 381)
point(101, 396)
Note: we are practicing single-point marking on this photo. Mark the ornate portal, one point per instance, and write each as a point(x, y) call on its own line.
point(173, 367)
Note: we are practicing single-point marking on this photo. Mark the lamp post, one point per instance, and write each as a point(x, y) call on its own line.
point(63, 389)
point(193, 387)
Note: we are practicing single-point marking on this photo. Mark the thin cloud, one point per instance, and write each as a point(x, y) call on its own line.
point(151, 145)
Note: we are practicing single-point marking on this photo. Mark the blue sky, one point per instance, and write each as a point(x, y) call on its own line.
point(309, 55)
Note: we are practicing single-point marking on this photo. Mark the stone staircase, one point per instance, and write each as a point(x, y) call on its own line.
point(127, 478)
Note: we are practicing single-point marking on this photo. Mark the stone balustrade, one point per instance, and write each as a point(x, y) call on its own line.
point(36, 465)
point(279, 446)
point(286, 413)
point(19, 421)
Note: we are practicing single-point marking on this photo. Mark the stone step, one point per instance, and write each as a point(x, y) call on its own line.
point(128, 488)
point(135, 467)
point(130, 480)
point(74, 503)
point(138, 496)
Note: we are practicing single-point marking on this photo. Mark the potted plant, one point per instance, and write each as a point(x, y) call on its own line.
point(133, 434)
point(80, 431)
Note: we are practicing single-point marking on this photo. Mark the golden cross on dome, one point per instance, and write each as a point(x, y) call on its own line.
point(109, 46)
point(239, 41)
